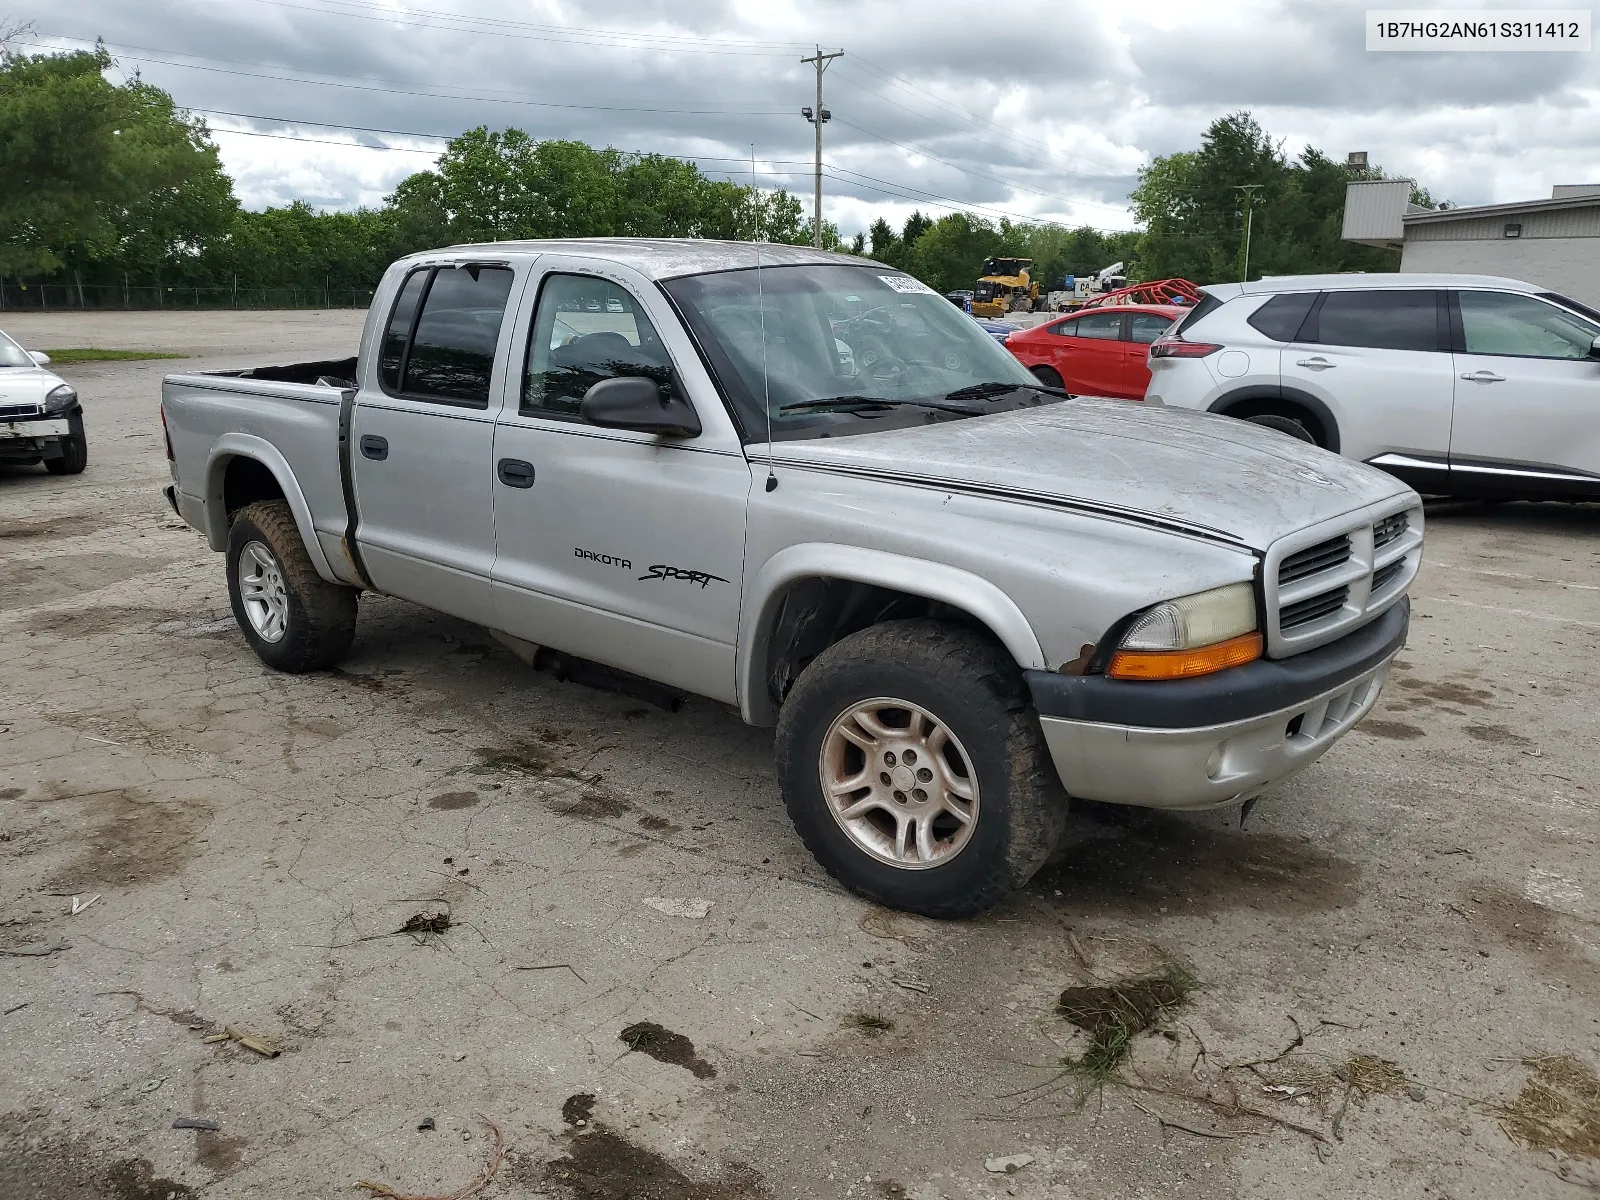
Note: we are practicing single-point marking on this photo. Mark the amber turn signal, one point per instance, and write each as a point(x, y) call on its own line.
point(1185, 664)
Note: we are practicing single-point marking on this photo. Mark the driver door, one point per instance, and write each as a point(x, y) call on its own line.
point(621, 547)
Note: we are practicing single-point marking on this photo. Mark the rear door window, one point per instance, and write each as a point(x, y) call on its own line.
point(1390, 319)
point(1280, 317)
point(1147, 327)
point(1105, 326)
point(444, 351)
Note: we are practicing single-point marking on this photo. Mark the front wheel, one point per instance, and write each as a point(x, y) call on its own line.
point(1292, 426)
point(294, 620)
point(74, 456)
point(915, 771)
point(1048, 376)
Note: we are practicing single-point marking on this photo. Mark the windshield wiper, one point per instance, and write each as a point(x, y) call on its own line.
point(868, 403)
point(993, 391)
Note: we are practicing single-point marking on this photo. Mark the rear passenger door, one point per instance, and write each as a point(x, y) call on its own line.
point(422, 436)
point(1379, 361)
point(1143, 328)
point(621, 547)
point(1092, 361)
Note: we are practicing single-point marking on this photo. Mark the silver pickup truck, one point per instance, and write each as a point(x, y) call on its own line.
point(804, 484)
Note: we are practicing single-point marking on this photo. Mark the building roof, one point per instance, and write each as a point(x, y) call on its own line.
point(666, 258)
point(1429, 216)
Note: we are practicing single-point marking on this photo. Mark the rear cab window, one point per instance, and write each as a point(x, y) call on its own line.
point(439, 344)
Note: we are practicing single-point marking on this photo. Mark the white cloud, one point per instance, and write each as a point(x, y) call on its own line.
point(1047, 113)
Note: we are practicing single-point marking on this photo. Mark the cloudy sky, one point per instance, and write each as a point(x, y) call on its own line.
point(1032, 110)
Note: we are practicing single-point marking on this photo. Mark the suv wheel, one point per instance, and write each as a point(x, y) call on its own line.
point(1293, 426)
point(294, 619)
point(915, 771)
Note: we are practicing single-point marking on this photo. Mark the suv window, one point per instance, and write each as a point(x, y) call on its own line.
point(1106, 326)
point(1147, 327)
point(1280, 317)
point(586, 329)
point(1509, 324)
point(1381, 320)
point(444, 350)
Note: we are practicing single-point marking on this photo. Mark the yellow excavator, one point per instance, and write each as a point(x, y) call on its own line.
point(1005, 287)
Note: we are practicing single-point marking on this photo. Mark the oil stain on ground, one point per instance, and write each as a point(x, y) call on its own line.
point(602, 1164)
point(1135, 862)
point(1534, 930)
point(68, 576)
point(1415, 692)
point(1397, 731)
point(53, 528)
point(1497, 735)
point(592, 803)
point(661, 1044)
point(525, 758)
point(34, 1168)
point(450, 801)
point(135, 839)
point(93, 622)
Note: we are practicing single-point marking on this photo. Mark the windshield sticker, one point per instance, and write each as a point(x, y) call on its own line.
point(904, 283)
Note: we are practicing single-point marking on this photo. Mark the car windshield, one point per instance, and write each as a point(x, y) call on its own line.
point(840, 349)
point(13, 355)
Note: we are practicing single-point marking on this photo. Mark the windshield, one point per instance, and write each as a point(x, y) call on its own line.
point(13, 355)
point(847, 348)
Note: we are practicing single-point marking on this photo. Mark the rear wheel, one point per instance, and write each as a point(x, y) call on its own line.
point(1293, 426)
point(914, 768)
point(1048, 376)
point(294, 619)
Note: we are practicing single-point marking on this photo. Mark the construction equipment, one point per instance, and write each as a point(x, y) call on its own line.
point(1079, 289)
point(1160, 291)
point(1005, 287)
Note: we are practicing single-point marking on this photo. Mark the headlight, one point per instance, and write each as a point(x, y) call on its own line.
point(1193, 635)
point(60, 399)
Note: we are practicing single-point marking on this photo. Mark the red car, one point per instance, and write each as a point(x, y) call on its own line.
point(1098, 351)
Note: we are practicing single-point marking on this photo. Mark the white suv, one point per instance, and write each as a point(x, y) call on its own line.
point(1465, 385)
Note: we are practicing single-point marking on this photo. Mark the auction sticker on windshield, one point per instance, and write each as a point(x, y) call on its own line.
point(904, 283)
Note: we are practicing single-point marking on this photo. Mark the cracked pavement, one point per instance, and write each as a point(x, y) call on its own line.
point(1427, 895)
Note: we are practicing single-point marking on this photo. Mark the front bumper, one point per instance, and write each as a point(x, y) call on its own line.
point(1203, 743)
point(34, 427)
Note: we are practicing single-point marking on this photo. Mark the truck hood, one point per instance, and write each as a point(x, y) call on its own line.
point(1195, 473)
point(26, 385)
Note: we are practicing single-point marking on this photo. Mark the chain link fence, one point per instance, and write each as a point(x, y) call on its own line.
point(35, 297)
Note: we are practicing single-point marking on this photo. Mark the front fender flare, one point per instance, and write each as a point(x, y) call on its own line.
point(244, 445)
point(916, 577)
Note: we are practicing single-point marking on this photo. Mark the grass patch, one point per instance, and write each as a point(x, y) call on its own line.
point(1558, 1108)
point(1113, 1014)
point(83, 354)
point(870, 1024)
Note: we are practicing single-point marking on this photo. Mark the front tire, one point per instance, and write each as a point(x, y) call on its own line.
point(1048, 376)
point(294, 620)
point(1292, 426)
point(74, 456)
point(915, 771)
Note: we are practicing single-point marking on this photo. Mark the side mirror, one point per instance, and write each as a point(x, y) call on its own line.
point(40, 358)
point(1594, 348)
point(643, 405)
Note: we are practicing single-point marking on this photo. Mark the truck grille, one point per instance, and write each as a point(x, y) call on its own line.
point(1325, 581)
point(1386, 530)
point(1314, 559)
point(1304, 612)
point(9, 411)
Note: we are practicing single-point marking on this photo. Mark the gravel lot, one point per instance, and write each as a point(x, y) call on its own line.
point(1426, 897)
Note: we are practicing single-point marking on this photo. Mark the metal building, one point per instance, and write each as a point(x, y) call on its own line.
point(1554, 243)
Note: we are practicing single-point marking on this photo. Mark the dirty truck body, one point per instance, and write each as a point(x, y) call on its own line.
point(809, 487)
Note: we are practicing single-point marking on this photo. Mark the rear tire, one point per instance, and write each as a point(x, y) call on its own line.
point(989, 762)
point(294, 619)
point(74, 456)
point(1048, 376)
point(1292, 426)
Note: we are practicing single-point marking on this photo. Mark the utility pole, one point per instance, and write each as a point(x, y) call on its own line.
point(1249, 190)
point(817, 118)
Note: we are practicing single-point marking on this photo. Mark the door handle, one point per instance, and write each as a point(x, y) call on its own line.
point(1315, 364)
point(374, 447)
point(515, 473)
point(1484, 377)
